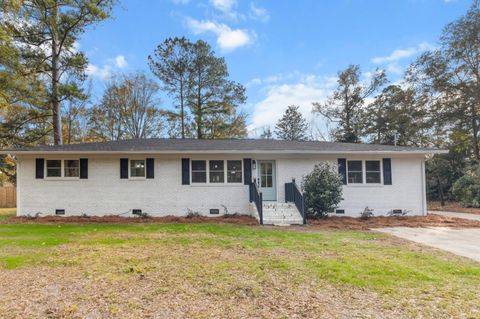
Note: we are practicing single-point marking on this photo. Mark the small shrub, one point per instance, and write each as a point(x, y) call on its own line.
point(34, 216)
point(322, 190)
point(367, 213)
point(467, 189)
point(192, 214)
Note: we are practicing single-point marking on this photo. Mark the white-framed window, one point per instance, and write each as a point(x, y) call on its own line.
point(53, 168)
point(234, 171)
point(355, 172)
point(373, 173)
point(199, 171)
point(71, 168)
point(364, 172)
point(216, 172)
point(67, 168)
point(137, 168)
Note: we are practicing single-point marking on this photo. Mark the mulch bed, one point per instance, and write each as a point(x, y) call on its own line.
point(430, 220)
point(453, 207)
point(334, 223)
point(226, 219)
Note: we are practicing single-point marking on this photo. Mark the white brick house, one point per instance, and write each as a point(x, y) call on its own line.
point(213, 177)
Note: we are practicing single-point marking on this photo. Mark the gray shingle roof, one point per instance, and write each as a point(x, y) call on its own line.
point(158, 145)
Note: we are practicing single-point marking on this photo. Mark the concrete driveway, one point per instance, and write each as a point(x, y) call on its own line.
point(462, 242)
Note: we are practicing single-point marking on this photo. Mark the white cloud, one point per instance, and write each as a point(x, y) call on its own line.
point(120, 61)
point(105, 71)
point(303, 93)
point(227, 39)
point(272, 79)
point(225, 6)
point(400, 54)
point(393, 59)
point(257, 13)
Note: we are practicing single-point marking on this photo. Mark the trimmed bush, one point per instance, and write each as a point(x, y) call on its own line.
point(322, 190)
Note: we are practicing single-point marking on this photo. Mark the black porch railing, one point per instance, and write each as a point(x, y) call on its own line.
point(293, 195)
point(256, 197)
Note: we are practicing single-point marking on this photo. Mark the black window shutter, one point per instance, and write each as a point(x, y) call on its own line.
point(247, 171)
point(39, 167)
point(387, 171)
point(342, 169)
point(124, 168)
point(150, 168)
point(185, 171)
point(84, 168)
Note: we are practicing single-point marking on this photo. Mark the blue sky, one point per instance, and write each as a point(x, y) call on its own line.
point(284, 51)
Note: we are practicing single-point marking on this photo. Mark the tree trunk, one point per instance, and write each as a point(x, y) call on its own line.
point(182, 112)
point(54, 98)
point(440, 192)
point(199, 112)
point(476, 148)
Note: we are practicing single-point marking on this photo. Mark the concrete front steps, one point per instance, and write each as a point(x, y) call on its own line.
point(281, 214)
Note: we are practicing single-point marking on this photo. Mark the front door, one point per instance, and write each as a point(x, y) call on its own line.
point(267, 180)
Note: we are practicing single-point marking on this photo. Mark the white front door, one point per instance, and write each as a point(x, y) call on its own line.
point(267, 180)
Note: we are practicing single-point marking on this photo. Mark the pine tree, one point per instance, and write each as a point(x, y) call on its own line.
point(266, 133)
point(292, 126)
point(46, 33)
point(345, 106)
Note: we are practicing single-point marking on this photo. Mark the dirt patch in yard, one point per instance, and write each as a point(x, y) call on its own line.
point(453, 207)
point(152, 283)
point(430, 220)
point(226, 219)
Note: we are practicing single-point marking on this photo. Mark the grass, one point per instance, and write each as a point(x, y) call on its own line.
point(228, 270)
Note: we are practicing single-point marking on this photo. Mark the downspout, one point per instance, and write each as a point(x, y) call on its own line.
point(17, 186)
point(424, 189)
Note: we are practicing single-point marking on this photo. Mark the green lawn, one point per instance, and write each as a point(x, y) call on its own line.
point(197, 270)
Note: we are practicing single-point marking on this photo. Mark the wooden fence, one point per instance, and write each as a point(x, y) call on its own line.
point(8, 197)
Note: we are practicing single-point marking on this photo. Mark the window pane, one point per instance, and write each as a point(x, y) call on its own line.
point(216, 165)
point(373, 172)
point(137, 168)
point(199, 165)
point(199, 177)
point(355, 166)
point(269, 181)
point(216, 177)
point(355, 172)
point(355, 178)
point(234, 173)
point(269, 168)
point(263, 181)
point(216, 172)
point(71, 168)
point(372, 166)
point(373, 177)
point(54, 168)
point(199, 171)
